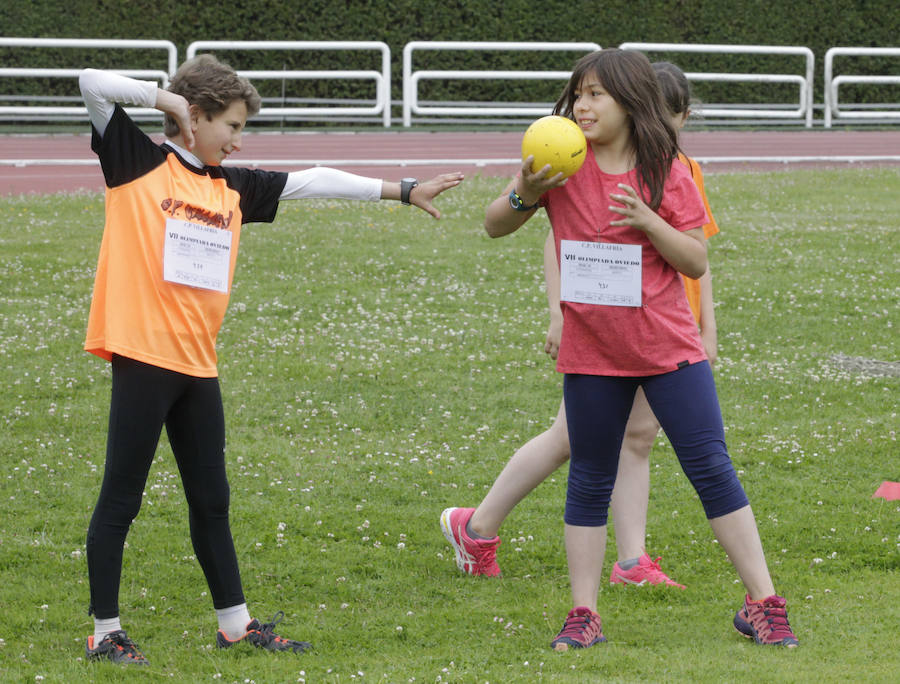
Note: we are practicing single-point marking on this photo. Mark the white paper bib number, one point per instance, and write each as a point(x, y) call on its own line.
point(600, 273)
point(197, 255)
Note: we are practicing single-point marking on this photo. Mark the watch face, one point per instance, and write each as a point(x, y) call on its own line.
point(518, 203)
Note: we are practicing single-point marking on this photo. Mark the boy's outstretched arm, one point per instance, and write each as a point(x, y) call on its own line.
point(424, 193)
point(325, 182)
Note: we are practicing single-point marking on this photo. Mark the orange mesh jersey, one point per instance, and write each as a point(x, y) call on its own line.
point(135, 312)
point(692, 286)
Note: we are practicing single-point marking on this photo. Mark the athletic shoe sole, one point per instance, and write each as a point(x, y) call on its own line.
point(447, 530)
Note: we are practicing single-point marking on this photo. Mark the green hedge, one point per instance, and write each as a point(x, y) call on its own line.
point(817, 25)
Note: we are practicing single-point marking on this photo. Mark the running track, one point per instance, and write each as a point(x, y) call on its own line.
point(25, 160)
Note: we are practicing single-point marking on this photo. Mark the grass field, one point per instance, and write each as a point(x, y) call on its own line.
point(378, 366)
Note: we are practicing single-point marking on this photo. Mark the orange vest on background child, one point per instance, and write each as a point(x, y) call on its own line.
point(692, 286)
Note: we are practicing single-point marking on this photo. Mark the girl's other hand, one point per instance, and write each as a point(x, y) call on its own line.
point(635, 212)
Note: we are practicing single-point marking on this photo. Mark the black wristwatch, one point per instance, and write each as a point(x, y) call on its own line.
point(406, 186)
point(516, 202)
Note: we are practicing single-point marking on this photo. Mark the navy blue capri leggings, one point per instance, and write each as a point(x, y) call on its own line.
point(687, 408)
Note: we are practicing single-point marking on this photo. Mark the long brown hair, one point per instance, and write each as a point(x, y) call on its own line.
point(628, 77)
point(675, 87)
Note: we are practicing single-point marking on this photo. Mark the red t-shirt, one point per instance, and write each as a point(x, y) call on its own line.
point(661, 334)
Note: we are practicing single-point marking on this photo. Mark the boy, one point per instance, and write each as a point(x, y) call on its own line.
point(167, 257)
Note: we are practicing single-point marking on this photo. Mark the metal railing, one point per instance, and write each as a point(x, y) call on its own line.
point(382, 79)
point(66, 112)
point(832, 83)
point(49, 107)
point(804, 109)
point(412, 78)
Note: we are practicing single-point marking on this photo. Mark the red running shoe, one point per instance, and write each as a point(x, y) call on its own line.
point(473, 556)
point(582, 629)
point(645, 572)
point(766, 622)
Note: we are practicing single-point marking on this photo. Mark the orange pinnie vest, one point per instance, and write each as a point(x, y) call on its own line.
point(135, 312)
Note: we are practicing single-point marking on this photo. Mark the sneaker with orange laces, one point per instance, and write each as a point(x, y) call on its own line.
point(263, 636)
point(473, 556)
point(115, 647)
point(645, 572)
point(581, 629)
point(766, 622)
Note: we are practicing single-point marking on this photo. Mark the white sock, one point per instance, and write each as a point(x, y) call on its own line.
point(233, 621)
point(104, 627)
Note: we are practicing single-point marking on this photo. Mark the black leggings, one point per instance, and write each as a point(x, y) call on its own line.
point(144, 398)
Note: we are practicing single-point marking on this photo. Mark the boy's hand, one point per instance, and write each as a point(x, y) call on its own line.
point(178, 108)
point(422, 195)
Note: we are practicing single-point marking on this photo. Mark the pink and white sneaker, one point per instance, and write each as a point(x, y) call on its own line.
point(645, 572)
point(473, 556)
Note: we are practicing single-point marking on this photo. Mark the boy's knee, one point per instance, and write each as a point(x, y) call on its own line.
point(209, 505)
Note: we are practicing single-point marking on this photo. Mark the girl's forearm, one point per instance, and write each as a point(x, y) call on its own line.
point(684, 250)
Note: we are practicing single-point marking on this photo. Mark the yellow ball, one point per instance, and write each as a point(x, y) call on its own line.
point(557, 141)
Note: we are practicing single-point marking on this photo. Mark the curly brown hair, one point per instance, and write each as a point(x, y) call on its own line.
point(212, 86)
